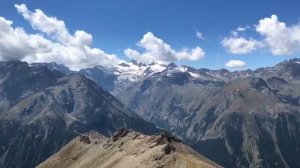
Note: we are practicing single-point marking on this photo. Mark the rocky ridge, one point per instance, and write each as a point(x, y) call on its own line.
point(127, 148)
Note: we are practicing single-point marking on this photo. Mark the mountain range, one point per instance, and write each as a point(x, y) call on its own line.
point(247, 118)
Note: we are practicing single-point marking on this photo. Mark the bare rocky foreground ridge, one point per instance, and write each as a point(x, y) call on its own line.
point(126, 149)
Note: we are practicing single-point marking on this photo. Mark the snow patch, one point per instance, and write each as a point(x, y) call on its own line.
point(194, 75)
point(181, 69)
point(134, 72)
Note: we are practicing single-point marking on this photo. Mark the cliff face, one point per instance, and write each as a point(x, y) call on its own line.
point(249, 124)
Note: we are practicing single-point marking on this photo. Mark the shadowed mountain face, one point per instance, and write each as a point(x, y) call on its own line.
point(42, 109)
point(238, 119)
point(126, 149)
point(250, 126)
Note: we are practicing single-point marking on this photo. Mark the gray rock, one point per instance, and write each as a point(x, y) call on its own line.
point(42, 109)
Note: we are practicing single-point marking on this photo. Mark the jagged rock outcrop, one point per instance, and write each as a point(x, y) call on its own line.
point(127, 148)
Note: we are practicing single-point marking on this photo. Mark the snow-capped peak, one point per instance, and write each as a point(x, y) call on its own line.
point(134, 70)
point(182, 68)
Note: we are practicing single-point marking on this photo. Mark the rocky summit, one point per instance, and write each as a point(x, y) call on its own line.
point(126, 148)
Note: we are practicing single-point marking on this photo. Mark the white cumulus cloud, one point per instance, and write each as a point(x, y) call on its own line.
point(52, 42)
point(275, 36)
point(235, 64)
point(239, 45)
point(41, 22)
point(156, 50)
point(16, 44)
point(280, 38)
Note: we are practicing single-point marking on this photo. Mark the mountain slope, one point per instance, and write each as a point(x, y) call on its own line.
point(249, 124)
point(252, 122)
point(126, 149)
point(41, 110)
point(252, 117)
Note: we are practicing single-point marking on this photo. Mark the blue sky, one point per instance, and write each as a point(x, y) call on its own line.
point(116, 25)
